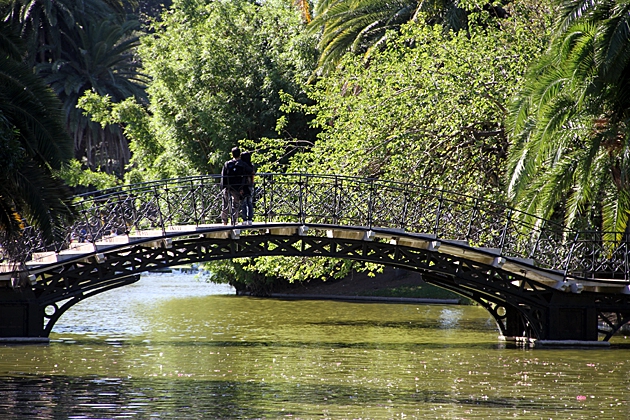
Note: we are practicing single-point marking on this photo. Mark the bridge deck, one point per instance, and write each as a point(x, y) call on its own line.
point(490, 257)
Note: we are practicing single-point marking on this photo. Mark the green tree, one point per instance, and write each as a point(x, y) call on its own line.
point(430, 109)
point(150, 159)
point(78, 45)
point(360, 26)
point(42, 23)
point(33, 143)
point(217, 71)
point(355, 26)
point(570, 124)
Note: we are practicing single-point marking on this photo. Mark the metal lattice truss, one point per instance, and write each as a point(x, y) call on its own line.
point(59, 286)
point(535, 278)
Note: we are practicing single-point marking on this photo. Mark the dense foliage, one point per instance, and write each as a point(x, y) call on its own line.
point(438, 93)
point(571, 122)
point(98, 58)
point(79, 46)
point(429, 108)
point(33, 144)
point(358, 27)
point(217, 71)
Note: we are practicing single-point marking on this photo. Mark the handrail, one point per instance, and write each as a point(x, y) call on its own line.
point(343, 201)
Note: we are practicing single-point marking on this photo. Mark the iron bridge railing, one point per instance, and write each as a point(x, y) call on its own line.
point(342, 201)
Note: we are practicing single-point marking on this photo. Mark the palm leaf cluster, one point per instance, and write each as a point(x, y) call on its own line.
point(359, 26)
point(78, 46)
point(355, 26)
point(571, 122)
point(33, 143)
point(97, 57)
point(43, 23)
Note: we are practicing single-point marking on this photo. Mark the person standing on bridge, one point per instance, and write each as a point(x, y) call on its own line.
point(232, 179)
point(248, 188)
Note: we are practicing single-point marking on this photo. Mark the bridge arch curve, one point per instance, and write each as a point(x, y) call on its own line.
point(516, 302)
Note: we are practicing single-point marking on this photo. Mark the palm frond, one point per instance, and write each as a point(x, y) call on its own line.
point(571, 110)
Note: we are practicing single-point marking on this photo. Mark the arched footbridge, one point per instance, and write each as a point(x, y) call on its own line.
point(537, 279)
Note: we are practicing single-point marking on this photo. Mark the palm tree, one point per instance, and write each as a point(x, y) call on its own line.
point(42, 22)
point(33, 143)
point(571, 122)
point(78, 45)
point(98, 56)
point(358, 26)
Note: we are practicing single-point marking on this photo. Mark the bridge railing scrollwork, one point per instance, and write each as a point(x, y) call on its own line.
point(340, 201)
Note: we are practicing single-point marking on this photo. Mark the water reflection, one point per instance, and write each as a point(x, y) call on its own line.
point(175, 348)
point(120, 398)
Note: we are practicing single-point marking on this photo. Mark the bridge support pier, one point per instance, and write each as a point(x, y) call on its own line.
point(572, 323)
point(563, 323)
point(21, 316)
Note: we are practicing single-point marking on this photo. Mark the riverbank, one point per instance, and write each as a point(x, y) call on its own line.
point(393, 285)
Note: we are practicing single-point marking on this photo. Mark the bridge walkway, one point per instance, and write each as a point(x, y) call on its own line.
point(523, 267)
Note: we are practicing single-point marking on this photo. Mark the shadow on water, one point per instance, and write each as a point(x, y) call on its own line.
point(51, 397)
point(282, 344)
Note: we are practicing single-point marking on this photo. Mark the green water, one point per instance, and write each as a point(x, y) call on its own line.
point(170, 347)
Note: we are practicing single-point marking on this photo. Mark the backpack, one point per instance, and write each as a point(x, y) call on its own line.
point(232, 175)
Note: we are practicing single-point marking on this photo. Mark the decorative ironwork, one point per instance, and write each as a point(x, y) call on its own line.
point(342, 201)
point(71, 281)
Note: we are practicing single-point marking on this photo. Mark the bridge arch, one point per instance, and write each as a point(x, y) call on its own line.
point(518, 304)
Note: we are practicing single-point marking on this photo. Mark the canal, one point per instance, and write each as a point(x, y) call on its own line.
point(172, 347)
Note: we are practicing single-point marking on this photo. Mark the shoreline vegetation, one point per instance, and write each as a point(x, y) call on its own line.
point(393, 285)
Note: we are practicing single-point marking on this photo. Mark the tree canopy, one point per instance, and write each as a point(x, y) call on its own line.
point(435, 106)
point(217, 71)
point(98, 56)
point(78, 46)
point(429, 108)
point(359, 27)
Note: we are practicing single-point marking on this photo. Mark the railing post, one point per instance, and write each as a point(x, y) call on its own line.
point(124, 218)
point(540, 232)
point(472, 218)
point(573, 245)
point(403, 216)
point(370, 212)
point(336, 202)
point(88, 232)
point(194, 200)
point(301, 184)
point(266, 199)
point(156, 195)
point(169, 208)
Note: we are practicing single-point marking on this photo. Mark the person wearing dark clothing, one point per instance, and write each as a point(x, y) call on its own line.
point(248, 188)
point(232, 180)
